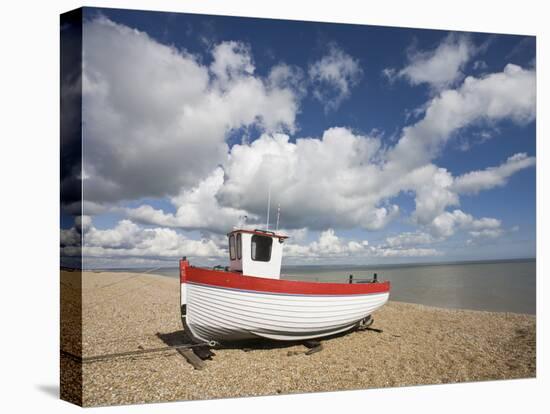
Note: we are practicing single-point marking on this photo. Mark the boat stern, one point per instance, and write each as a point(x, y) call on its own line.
point(184, 265)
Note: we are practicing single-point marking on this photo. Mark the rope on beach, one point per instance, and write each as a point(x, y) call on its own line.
point(98, 358)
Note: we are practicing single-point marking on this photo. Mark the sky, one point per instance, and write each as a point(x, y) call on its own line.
point(379, 144)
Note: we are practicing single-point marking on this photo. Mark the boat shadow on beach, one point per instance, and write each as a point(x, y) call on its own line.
point(180, 337)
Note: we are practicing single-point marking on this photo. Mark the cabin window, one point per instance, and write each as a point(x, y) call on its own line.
point(239, 246)
point(261, 248)
point(232, 247)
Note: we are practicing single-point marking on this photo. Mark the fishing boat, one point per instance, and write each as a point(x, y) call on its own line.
point(248, 299)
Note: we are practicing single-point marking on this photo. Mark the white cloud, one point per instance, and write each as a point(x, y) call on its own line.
point(127, 239)
point(440, 67)
point(70, 237)
point(156, 119)
point(346, 180)
point(317, 181)
point(330, 246)
point(406, 252)
point(510, 94)
point(433, 192)
point(333, 77)
point(410, 239)
point(446, 224)
point(197, 208)
point(475, 181)
point(73, 236)
point(174, 133)
point(232, 60)
point(296, 235)
point(487, 233)
point(339, 181)
point(129, 244)
point(289, 77)
point(483, 235)
point(436, 189)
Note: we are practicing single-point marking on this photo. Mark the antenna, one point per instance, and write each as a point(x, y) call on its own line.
point(268, 203)
point(278, 215)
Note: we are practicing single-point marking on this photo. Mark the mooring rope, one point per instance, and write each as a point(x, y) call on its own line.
point(97, 358)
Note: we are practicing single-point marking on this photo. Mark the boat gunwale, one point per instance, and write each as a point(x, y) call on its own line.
point(238, 281)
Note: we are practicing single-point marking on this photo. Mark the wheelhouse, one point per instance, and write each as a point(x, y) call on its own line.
point(256, 253)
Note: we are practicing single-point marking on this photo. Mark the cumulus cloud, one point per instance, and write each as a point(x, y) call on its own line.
point(231, 61)
point(436, 189)
point(127, 239)
point(333, 76)
point(317, 181)
point(510, 94)
point(130, 244)
point(314, 180)
point(440, 67)
point(406, 252)
point(352, 196)
point(346, 179)
point(487, 233)
point(475, 181)
point(329, 245)
point(288, 77)
point(446, 224)
point(70, 237)
point(175, 125)
point(410, 239)
point(197, 208)
point(156, 118)
point(433, 192)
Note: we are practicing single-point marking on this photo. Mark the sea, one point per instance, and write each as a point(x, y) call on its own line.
point(498, 286)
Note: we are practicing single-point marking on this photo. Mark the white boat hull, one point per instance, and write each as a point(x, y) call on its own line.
point(223, 314)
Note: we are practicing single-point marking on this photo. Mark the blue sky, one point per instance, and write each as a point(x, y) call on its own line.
point(381, 144)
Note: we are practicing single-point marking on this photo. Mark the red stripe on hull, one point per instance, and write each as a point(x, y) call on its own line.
point(238, 281)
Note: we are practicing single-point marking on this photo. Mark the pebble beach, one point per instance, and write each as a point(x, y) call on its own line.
point(418, 345)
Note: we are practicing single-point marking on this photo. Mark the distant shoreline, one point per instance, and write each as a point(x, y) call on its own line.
point(415, 264)
point(326, 266)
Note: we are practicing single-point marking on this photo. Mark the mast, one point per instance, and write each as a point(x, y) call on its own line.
point(268, 203)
